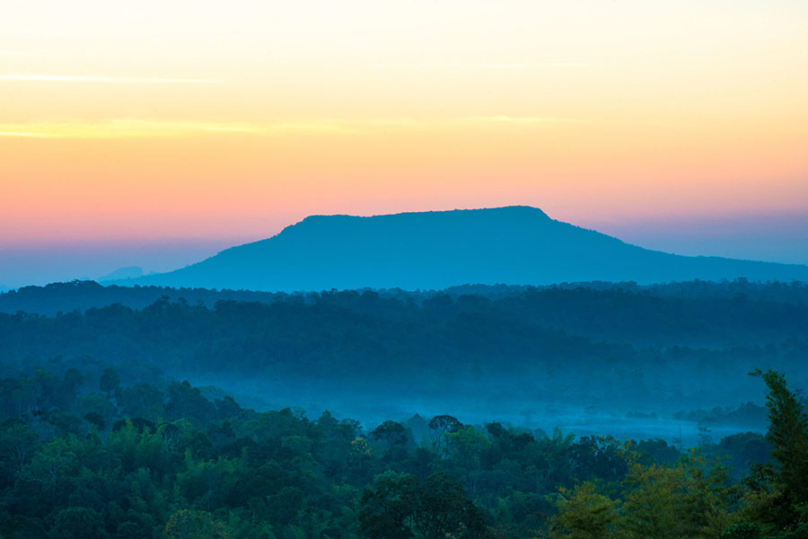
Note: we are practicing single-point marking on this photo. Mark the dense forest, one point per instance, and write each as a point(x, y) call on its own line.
point(160, 413)
point(84, 454)
point(82, 295)
point(659, 349)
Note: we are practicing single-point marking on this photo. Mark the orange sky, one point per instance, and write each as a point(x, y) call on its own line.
point(152, 120)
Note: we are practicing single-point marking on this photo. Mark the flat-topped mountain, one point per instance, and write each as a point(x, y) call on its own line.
point(431, 250)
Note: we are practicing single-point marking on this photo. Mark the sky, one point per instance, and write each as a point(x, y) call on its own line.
point(156, 133)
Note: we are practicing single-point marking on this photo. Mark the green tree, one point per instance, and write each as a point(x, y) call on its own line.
point(189, 524)
point(691, 499)
point(444, 511)
point(584, 514)
point(400, 508)
point(439, 427)
point(387, 510)
point(466, 446)
point(18, 441)
point(788, 436)
point(390, 434)
point(780, 490)
point(78, 523)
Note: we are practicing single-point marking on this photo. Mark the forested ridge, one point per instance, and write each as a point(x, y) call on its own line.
point(472, 341)
point(84, 454)
point(682, 307)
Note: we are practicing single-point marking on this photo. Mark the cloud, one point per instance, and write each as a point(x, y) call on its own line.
point(502, 66)
point(132, 128)
point(23, 134)
point(100, 79)
point(13, 53)
point(529, 120)
point(145, 128)
point(539, 65)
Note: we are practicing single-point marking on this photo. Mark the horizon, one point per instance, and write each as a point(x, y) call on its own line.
point(58, 262)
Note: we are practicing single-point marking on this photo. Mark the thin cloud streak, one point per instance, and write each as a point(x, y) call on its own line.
point(528, 120)
point(110, 80)
point(137, 128)
point(129, 128)
point(26, 134)
point(539, 65)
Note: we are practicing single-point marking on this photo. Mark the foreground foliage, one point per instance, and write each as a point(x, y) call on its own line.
point(82, 455)
point(694, 498)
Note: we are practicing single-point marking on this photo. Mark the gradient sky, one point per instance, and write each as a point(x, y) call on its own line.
point(155, 133)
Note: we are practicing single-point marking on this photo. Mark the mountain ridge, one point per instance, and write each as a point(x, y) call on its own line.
point(437, 249)
point(127, 272)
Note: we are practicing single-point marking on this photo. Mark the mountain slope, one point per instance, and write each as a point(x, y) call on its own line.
point(511, 245)
point(129, 272)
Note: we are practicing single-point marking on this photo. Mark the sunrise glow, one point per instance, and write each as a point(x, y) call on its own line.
point(153, 122)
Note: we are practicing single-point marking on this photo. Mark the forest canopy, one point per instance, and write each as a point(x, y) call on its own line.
point(85, 455)
point(665, 348)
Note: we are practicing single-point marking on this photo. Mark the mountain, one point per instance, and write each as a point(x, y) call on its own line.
point(129, 272)
point(431, 250)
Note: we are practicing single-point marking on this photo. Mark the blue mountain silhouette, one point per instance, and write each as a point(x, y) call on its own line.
point(432, 250)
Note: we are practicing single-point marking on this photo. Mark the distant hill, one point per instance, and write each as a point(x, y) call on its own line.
point(432, 250)
point(129, 272)
point(83, 295)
